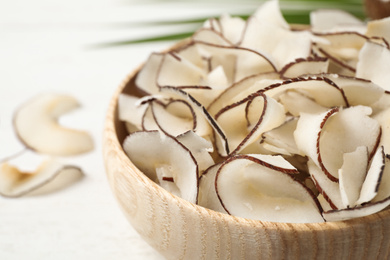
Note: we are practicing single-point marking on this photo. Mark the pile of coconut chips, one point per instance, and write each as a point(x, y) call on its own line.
point(269, 121)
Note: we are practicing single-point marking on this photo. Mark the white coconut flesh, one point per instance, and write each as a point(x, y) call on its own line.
point(329, 189)
point(328, 20)
point(242, 89)
point(335, 135)
point(339, 135)
point(36, 124)
point(381, 186)
point(352, 175)
point(296, 102)
point(243, 62)
point(303, 67)
point(231, 27)
point(373, 178)
point(151, 150)
point(379, 28)
point(170, 123)
point(177, 71)
point(282, 137)
point(211, 35)
point(252, 117)
point(207, 194)
point(203, 118)
point(200, 148)
point(130, 110)
point(322, 90)
point(259, 189)
point(146, 79)
point(374, 64)
point(358, 91)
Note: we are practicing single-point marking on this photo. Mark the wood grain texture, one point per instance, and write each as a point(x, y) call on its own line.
point(181, 230)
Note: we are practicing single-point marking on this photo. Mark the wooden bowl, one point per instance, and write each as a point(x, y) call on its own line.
point(181, 230)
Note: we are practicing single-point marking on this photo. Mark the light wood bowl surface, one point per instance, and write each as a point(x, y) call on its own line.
point(181, 230)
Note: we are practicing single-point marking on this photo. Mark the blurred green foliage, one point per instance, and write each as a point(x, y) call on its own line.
point(296, 12)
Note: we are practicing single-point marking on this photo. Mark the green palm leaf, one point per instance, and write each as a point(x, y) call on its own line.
point(296, 12)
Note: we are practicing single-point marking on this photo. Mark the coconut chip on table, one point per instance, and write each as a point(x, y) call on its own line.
point(40, 166)
point(281, 115)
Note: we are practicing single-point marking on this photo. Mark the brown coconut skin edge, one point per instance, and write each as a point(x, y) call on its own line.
point(181, 230)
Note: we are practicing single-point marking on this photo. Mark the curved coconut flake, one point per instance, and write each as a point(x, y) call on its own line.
point(352, 175)
point(238, 62)
point(307, 135)
point(30, 172)
point(242, 89)
point(217, 82)
point(271, 149)
point(150, 150)
point(170, 123)
point(232, 28)
point(282, 45)
point(340, 40)
point(329, 189)
point(270, 12)
point(367, 209)
point(322, 90)
point(204, 119)
point(192, 54)
point(244, 122)
point(328, 19)
point(207, 194)
point(337, 65)
point(200, 149)
point(213, 24)
point(146, 79)
point(275, 160)
point(272, 117)
point(379, 28)
point(342, 49)
point(327, 136)
point(302, 67)
point(296, 103)
point(374, 64)
point(357, 90)
point(343, 133)
point(180, 108)
point(234, 123)
point(148, 121)
point(175, 70)
point(202, 124)
point(130, 110)
point(283, 137)
point(36, 124)
point(373, 178)
point(260, 189)
point(210, 36)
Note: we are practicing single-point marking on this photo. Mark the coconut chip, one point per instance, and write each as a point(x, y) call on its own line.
point(30, 172)
point(36, 124)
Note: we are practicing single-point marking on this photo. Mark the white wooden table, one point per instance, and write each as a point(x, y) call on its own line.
point(45, 46)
